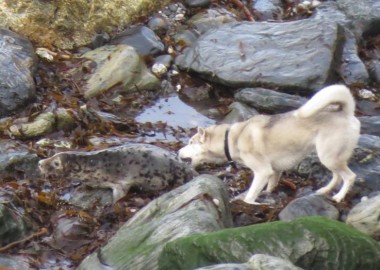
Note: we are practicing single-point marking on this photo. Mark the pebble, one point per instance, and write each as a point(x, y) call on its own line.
point(197, 3)
point(367, 94)
point(159, 24)
point(142, 38)
point(186, 38)
point(164, 59)
point(159, 69)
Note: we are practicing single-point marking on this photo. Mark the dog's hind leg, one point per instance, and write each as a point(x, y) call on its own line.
point(334, 150)
point(348, 180)
point(330, 186)
point(273, 182)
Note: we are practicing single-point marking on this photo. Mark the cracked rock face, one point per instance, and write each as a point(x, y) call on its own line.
point(297, 55)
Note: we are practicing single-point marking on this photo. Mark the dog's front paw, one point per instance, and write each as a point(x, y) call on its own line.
point(253, 202)
point(338, 198)
point(323, 191)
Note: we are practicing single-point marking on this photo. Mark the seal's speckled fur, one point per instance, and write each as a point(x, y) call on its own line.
point(146, 166)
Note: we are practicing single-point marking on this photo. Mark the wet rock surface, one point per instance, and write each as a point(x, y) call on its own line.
point(19, 63)
point(314, 205)
point(116, 65)
point(143, 39)
point(365, 216)
point(292, 49)
point(14, 222)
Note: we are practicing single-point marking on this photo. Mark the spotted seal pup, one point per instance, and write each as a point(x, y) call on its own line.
point(148, 167)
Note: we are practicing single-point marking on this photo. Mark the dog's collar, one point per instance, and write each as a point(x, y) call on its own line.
point(226, 149)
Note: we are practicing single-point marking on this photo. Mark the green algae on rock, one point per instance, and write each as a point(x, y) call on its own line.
point(309, 243)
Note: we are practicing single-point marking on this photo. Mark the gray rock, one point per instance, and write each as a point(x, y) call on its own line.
point(239, 112)
point(70, 232)
point(366, 164)
point(370, 125)
point(314, 205)
point(256, 262)
point(16, 262)
point(352, 69)
point(16, 161)
point(197, 3)
point(293, 55)
point(210, 19)
point(186, 38)
point(18, 64)
point(14, 223)
point(143, 39)
point(365, 216)
point(147, 167)
point(85, 198)
point(364, 18)
point(165, 60)
point(330, 11)
point(195, 93)
point(268, 100)
point(374, 70)
point(100, 40)
point(159, 24)
point(268, 9)
point(115, 65)
point(200, 206)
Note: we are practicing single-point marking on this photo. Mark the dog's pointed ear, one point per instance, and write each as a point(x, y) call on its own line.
point(202, 134)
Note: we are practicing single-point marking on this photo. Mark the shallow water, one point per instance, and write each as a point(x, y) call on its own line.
point(175, 113)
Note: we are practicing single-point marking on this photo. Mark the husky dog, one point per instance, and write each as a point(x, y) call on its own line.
point(270, 144)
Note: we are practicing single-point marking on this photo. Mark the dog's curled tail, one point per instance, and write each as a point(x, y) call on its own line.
point(334, 94)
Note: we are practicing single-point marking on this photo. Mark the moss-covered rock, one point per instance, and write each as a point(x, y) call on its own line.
point(310, 243)
point(68, 24)
point(199, 206)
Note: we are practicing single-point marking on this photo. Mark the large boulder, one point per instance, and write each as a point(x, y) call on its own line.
point(295, 55)
point(68, 24)
point(16, 161)
point(14, 222)
point(309, 243)
point(365, 216)
point(364, 18)
point(313, 205)
point(199, 206)
point(18, 64)
point(115, 66)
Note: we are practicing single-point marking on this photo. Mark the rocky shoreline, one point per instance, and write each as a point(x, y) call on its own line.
point(117, 197)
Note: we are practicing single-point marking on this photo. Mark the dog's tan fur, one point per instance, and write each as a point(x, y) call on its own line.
point(269, 145)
